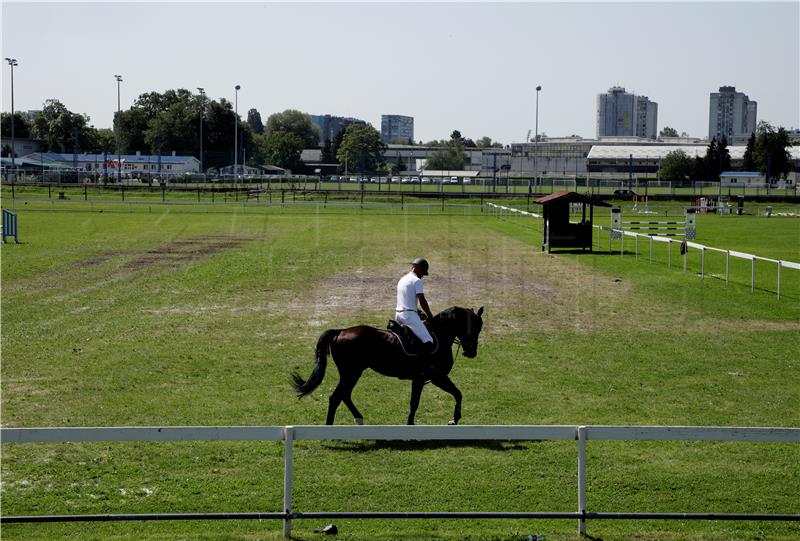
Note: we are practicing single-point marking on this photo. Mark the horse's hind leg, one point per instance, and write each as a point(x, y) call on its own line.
point(445, 384)
point(343, 393)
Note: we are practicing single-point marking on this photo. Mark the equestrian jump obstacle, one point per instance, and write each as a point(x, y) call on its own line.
point(9, 226)
point(686, 229)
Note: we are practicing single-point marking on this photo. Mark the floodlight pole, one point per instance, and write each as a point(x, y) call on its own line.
point(536, 137)
point(202, 112)
point(12, 62)
point(119, 157)
point(236, 136)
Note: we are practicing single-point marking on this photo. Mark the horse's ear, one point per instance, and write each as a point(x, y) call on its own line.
point(480, 311)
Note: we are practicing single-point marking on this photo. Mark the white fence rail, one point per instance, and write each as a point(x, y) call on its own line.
point(779, 263)
point(503, 212)
point(289, 434)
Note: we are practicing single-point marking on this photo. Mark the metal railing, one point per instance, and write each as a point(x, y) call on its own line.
point(290, 434)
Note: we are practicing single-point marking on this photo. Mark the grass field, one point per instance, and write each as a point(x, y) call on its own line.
point(174, 315)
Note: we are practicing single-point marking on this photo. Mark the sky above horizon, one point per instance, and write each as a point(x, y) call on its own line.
point(473, 67)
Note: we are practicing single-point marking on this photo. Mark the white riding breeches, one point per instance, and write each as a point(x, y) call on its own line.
point(411, 319)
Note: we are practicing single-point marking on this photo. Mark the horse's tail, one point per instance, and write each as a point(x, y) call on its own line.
point(303, 387)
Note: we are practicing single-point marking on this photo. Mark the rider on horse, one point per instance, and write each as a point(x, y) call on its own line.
point(409, 291)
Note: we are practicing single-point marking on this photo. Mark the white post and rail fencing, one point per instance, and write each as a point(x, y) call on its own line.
point(663, 232)
point(289, 434)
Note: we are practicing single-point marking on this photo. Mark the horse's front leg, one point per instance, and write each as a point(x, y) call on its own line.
point(416, 393)
point(445, 384)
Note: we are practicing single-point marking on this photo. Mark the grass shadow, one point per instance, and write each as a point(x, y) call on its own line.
point(396, 445)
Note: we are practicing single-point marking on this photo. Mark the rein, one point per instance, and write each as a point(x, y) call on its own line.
point(458, 349)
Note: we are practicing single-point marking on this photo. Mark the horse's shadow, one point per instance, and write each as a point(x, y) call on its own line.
point(369, 446)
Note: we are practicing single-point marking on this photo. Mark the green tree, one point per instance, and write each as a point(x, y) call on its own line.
point(699, 169)
point(361, 148)
point(296, 122)
point(254, 120)
point(749, 159)
point(676, 167)
point(22, 128)
point(710, 161)
point(283, 149)
point(666, 131)
point(57, 126)
point(486, 142)
point(723, 157)
point(771, 150)
point(716, 160)
point(450, 158)
point(174, 128)
point(131, 126)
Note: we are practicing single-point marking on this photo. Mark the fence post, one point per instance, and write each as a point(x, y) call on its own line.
point(727, 267)
point(779, 279)
point(288, 434)
point(669, 253)
point(703, 263)
point(582, 480)
point(752, 274)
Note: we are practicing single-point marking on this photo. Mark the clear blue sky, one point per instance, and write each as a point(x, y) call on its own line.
point(467, 66)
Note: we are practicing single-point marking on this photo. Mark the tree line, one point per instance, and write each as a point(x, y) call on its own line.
point(766, 152)
point(172, 121)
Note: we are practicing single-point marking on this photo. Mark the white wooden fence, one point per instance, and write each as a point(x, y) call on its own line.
point(503, 212)
point(290, 434)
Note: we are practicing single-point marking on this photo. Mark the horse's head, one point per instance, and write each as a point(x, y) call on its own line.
point(465, 324)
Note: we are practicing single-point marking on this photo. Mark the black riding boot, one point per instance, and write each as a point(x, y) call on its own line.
point(426, 359)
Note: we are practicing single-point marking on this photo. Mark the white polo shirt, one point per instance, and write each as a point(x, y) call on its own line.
point(407, 289)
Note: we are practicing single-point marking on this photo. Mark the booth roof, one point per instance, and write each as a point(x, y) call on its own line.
point(570, 197)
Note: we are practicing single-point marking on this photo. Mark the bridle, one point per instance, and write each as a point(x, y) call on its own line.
point(458, 342)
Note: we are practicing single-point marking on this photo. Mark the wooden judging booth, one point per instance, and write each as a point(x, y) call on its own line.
point(558, 230)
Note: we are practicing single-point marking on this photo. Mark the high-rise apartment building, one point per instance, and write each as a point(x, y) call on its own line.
point(622, 114)
point(330, 126)
point(397, 128)
point(732, 115)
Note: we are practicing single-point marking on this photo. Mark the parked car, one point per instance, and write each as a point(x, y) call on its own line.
point(414, 180)
point(623, 194)
point(333, 178)
point(353, 179)
point(426, 180)
point(453, 180)
point(466, 180)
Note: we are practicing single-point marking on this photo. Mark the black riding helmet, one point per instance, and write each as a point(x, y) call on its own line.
point(421, 263)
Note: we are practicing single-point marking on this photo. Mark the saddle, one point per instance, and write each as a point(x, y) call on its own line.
point(411, 344)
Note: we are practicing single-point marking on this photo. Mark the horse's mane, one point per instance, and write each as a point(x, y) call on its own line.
point(448, 313)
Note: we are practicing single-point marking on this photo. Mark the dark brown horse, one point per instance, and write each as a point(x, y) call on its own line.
point(357, 348)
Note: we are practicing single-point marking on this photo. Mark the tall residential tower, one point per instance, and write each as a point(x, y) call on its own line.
point(397, 129)
point(731, 114)
point(622, 114)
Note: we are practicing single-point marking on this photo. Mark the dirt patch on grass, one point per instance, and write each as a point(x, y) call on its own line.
point(179, 253)
point(521, 290)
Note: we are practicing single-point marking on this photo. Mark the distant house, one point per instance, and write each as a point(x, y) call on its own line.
point(23, 147)
point(132, 164)
point(742, 178)
point(312, 163)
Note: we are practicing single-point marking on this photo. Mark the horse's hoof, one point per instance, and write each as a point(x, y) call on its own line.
point(359, 421)
point(452, 422)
